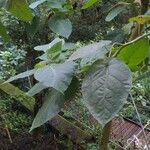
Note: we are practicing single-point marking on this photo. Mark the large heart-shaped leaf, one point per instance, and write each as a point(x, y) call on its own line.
point(135, 52)
point(58, 76)
point(52, 105)
point(90, 50)
point(105, 89)
point(60, 26)
point(20, 9)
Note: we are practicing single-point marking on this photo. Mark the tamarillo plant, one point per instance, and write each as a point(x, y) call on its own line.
point(104, 69)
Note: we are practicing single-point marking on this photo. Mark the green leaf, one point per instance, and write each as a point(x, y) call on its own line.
point(38, 87)
point(36, 4)
point(73, 89)
point(90, 50)
point(116, 10)
point(54, 50)
point(57, 76)
point(60, 26)
point(32, 28)
point(134, 52)
point(20, 9)
point(51, 107)
point(141, 19)
point(45, 47)
point(105, 89)
point(3, 33)
point(89, 3)
point(21, 75)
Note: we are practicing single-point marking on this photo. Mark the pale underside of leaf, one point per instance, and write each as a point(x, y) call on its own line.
point(58, 76)
point(52, 105)
point(21, 75)
point(105, 89)
point(90, 50)
point(38, 87)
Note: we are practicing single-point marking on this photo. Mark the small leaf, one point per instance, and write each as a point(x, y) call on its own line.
point(60, 26)
point(58, 76)
point(89, 3)
point(90, 50)
point(3, 33)
point(38, 87)
point(105, 89)
point(54, 50)
point(116, 10)
point(45, 47)
point(21, 75)
point(51, 107)
point(135, 52)
point(141, 19)
point(20, 9)
point(36, 4)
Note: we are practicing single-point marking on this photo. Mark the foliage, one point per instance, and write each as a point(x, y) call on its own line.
point(11, 60)
point(17, 120)
point(102, 67)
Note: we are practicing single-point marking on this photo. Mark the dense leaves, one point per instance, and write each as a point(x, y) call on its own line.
point(3, 33)
point(105, 89)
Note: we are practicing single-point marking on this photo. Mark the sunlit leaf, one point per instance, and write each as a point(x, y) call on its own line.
point(135, 52)
point(141, 19)
point(20, 9)
point(88, 4)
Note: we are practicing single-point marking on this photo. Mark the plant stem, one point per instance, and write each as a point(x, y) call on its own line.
point(105, 136)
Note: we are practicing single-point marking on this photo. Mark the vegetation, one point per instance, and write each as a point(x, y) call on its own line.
point(77, 60)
